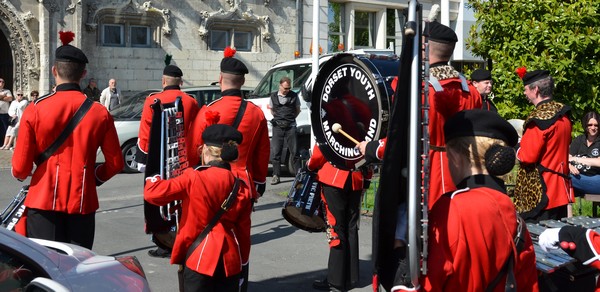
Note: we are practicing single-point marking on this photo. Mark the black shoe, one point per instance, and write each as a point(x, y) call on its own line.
point(322, 285)
point(159, 253)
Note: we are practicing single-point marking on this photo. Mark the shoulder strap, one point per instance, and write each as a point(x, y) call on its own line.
point(83, 109)
point(226, 205)
point(240, 114)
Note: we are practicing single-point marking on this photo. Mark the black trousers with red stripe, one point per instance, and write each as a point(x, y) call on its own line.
point(344, 206)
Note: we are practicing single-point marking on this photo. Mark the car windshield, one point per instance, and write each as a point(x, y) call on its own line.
point(297, 73)
point(131, 107)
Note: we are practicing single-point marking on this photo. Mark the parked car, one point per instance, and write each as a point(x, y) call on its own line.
point(383, 63)
point(43, 265)
point(127, 119)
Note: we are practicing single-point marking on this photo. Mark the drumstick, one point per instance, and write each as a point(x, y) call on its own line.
point(337, 128)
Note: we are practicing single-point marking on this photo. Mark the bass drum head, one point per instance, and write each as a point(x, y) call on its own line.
point(346, 92)
point(294, 216)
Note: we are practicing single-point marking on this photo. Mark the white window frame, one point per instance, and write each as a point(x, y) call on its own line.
point(230, 36)
point(148, 36)
point(122, 35)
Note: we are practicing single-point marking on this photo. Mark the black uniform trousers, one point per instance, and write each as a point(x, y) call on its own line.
point(58, 226)
point(344, 205)
point(281, 136)
point(194, 281)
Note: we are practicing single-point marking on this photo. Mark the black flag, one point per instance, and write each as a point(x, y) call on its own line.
point(393, 182)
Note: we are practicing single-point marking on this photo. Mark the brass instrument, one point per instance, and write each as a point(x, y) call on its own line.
point(167, 156)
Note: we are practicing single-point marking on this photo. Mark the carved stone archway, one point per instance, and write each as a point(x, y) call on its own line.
point(25, 51)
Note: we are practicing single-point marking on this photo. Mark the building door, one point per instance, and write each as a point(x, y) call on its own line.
point(6, 62)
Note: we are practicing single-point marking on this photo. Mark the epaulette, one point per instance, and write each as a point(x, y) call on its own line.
point(44, 97)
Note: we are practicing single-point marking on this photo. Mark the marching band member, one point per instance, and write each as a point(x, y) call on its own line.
point(580, 243)
point(216, 263)
point(253, 162)
point(171, 82)
point(544, 150)
point(477, 242)
point(62, 199)
point(342, 190)
point(449, 93)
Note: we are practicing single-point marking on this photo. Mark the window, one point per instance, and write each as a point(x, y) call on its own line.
point(241, 40)
point(336, 35)
point(364, 29)
point(112, 35)
point(139, 36)
point(394, 26)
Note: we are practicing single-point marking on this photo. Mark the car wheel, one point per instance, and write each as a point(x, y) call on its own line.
point(290, 165)
point(129, 150)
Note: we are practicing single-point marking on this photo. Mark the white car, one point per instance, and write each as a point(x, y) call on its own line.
point(43, 265)
point(127, 119)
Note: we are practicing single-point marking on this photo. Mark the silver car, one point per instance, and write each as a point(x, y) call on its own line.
point(43, 265)
point(127, 118)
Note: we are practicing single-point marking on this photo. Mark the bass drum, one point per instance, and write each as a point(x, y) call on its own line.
point(348, 93)
point(303, 208)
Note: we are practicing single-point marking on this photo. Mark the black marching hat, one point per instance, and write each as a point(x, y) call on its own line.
point(478, 122)
point(480, 75)
point(173, 71)
point(534, 76)
point(69, 53)
point(441, 33)
point(219, 135)
point(231, 65)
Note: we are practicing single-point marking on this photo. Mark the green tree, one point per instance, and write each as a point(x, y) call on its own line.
point(555, 35)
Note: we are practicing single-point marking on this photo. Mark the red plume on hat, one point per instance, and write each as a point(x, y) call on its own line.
point(521, 71)
point(66, 37)
point(212, 117)
point(229, 52)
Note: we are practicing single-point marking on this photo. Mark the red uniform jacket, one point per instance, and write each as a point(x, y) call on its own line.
point(443, 105)
point(550, 148)
point(66, 182)
point(471, 235)
point(331, 175)
point(190, 110)
point(252, 164)
point(202, 192)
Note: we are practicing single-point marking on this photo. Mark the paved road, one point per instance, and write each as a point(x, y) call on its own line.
point(283, 258)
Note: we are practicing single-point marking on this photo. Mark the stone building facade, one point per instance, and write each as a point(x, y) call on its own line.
point(128, 39)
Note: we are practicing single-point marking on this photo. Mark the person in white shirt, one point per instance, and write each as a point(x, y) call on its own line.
point(15, 111)
point(111, 96)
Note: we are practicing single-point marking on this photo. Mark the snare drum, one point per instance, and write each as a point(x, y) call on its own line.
point(303, 207)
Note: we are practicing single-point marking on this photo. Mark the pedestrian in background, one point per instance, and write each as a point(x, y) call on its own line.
point(6, 98)
point(285, 107)
point(111, 96)
point(33, 96)
point(15, 111)
point(92, 91)
point(585, 177)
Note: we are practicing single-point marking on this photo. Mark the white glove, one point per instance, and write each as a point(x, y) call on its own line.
point(549, 239)
point(141, 167)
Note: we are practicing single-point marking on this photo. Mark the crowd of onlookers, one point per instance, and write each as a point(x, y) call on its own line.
point(12, 106)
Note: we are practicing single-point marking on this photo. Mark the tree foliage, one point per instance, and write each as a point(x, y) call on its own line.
point(555, 35)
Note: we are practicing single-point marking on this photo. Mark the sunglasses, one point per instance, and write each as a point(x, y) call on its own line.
point(18, 94)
